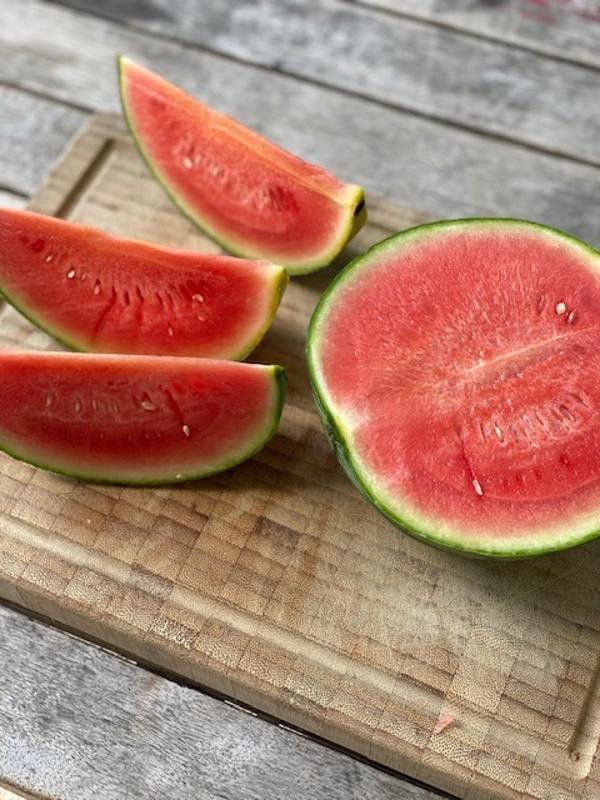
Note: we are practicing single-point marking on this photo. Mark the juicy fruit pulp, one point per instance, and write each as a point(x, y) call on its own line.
point(256, 199)
point(106, 294)
point(135, 419)
point(457, 366)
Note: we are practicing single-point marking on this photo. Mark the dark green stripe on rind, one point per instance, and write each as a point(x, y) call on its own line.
point(334, 428)
point(354, 222)
point(280, 384)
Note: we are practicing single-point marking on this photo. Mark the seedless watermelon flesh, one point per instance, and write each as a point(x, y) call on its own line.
point(107, 294)
point(135, 419)
point(257, 200)
point(457, 368)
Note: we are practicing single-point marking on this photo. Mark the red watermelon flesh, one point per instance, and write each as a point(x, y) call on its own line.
point(135, 419)
point(106, 294)
point(458, 368)
point(253, 197)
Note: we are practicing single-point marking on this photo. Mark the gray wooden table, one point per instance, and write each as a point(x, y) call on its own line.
point(454, 107)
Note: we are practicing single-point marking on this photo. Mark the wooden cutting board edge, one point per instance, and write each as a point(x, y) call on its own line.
point(86, 158)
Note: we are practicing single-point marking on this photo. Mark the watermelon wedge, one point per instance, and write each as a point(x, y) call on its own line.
point(254, 198)
point(105, 294)
point(135, 419)
point(457, 369)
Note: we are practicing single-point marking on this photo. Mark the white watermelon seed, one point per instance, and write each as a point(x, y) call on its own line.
point(170, 331)
point(179, 476)
point(49, 258)
point(571, 317)
point(71, 273)
point(186, 430)
point(561, 307)
point(148, 405)
point(477, 487)
point(498, 430)
point(48, 400)
point(199, 298)
point(188, 163)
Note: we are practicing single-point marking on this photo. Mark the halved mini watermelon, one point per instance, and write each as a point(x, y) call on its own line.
point(457, 369)
point(106, 294)
point(256, 199)
point(135, 419)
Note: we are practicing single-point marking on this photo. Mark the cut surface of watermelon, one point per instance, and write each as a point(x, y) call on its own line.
point(135, 419)
point(457, 368)
point(253, 197)
point(107, 294)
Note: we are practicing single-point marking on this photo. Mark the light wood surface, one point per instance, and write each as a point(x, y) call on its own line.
point(133, 735)
point(277, 584)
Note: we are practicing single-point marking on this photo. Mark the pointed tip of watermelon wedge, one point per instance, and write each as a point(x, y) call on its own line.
point(323, 213)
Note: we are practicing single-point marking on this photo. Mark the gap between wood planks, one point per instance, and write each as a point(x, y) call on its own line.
point(133, 661)
point(376, 7)
point(83, 109)
point(450, 122)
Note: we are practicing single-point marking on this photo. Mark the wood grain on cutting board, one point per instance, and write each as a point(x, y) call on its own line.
point(277, 584)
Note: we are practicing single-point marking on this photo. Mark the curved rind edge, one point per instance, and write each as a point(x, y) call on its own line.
point(334, 428)
point(352, 223)
point(279, 384)
point(279, 286)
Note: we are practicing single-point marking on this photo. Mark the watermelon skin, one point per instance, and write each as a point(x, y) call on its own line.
point(101, 293)
point(524, 489)
point(135, 419)
point(251, 196)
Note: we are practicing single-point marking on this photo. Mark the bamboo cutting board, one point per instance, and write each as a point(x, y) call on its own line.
point(277, 584)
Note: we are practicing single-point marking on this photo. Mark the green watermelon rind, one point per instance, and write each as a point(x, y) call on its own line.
point(280, 384)
point(278, 288)
point(352, 224)
point(334, 426)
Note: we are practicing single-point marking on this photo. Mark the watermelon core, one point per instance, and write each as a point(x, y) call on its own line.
point(457, 368)
point(135, 419)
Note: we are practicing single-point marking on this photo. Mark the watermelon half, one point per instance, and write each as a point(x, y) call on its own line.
point(106, 294)
point(457, 369)
point(254, 198)
point(135, 419)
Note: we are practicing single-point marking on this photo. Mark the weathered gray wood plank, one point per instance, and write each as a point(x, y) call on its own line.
point(569, 29)
point(77, 722)
point(12, 200)
point(406, 63)
point(417, 162)
point(33, 133)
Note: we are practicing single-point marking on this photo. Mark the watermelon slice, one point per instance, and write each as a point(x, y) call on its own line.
point(105, 294)
point(457, 369)
point(256, 199)
point(135, 419)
